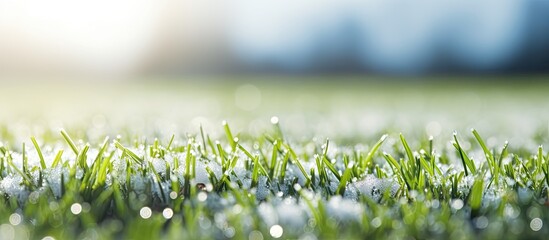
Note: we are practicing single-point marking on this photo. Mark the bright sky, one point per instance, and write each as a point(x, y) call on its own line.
point(141, 36)
point(96, 37)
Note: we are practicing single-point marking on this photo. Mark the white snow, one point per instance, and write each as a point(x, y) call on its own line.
point(375, 188)
point(13, 186)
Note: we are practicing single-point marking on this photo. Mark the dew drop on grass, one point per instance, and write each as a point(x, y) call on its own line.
point(33, 197)
point(536, 224)
point(209, 187)
point(274, 120)
point(173, 195)
point(76, 208)
point(167, 213)
point(15, 219)
point(276, 231)
point(202, 196)
point(145, 212)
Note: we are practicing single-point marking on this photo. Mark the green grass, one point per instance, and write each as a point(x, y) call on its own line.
point(250, 186)
point(349, 160)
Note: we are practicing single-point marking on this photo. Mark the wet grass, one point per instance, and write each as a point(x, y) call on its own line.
point(272, 186)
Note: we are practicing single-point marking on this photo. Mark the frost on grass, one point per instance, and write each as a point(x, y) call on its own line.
point(247, 187)
point(374, 188)
point(53, 178)
point(13, 186)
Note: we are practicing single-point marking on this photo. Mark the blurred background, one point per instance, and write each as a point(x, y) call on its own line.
point(345, 67)
point(116, 39)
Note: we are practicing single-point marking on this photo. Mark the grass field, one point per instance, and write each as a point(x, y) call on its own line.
point(321, 159)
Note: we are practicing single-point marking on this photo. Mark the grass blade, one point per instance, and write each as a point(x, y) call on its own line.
point(344, 180)
point(40, 155)
point(475, 197)
point(69, 141)
point(465, 160)
point(366, 161)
